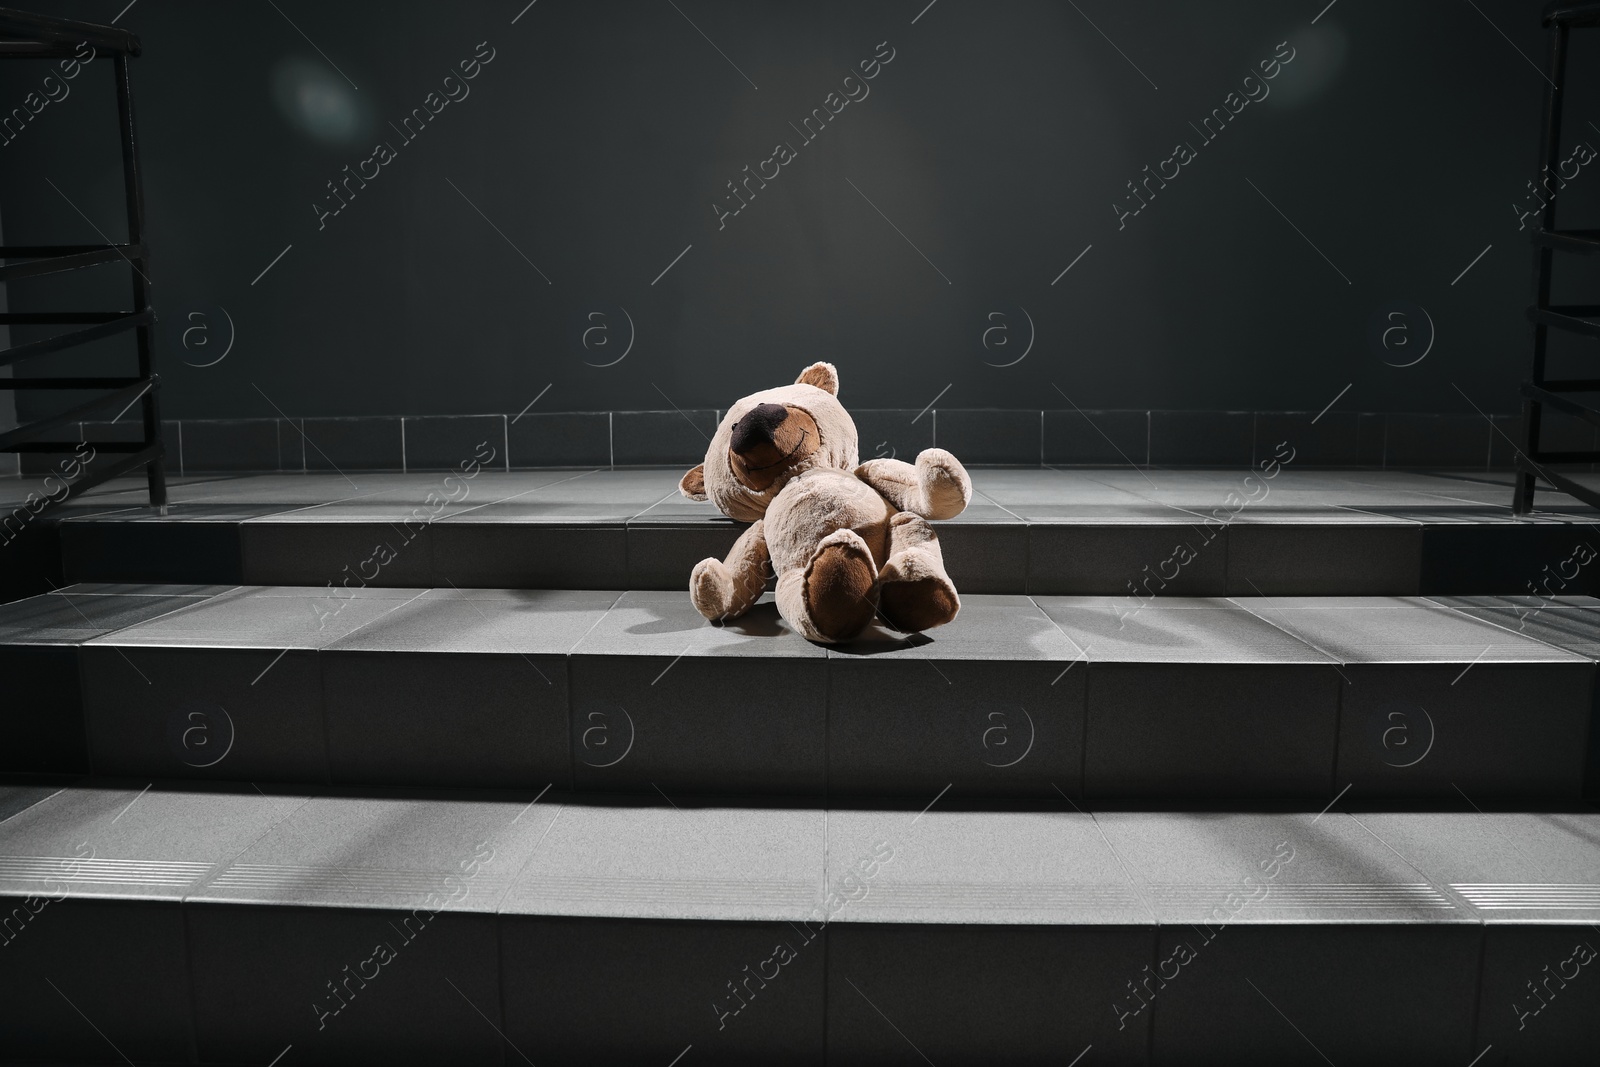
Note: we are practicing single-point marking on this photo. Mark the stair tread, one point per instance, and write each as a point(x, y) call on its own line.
point(650, 496)
point(540, 854)
point(1093, 629)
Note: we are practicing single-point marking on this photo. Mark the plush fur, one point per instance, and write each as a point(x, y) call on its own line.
point(846, 540)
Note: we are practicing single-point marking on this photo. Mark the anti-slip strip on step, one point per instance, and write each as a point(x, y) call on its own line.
point(1028, 896)
point(1333, 895)
point(1518, 897)
point(69, 871)
point(346, 879)
point(597, 892)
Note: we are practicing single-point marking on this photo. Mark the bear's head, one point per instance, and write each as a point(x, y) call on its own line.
point(768, 438)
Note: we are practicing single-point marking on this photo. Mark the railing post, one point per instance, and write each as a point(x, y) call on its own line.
point(133, 186)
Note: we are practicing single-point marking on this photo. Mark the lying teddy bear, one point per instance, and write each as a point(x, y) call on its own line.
point(846, 539)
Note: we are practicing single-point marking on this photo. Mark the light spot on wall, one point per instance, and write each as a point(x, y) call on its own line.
point(317, 102)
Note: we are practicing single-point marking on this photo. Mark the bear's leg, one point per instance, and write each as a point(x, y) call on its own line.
point(916, 592)
point(835, 595)
point(723, 590)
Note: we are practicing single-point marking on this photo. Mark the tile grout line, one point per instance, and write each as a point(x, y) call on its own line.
point(1333, 661)
point(1444, 888)
point(513, 496)
point(397, 605)
point(1506, 627)
point(1127, 872)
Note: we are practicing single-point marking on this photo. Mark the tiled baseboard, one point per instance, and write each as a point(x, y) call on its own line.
point(987, 437)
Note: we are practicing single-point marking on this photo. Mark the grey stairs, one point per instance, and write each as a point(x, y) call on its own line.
point(296, 776)
point(246, 927)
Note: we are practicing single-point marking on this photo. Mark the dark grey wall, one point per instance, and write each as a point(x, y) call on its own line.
point(987, 157)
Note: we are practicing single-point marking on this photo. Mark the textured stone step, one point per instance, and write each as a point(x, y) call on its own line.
point(1091, 697)
point(236, 927)
point(1035, 531)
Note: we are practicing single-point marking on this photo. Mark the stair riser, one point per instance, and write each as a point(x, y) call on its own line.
point(808, 726)
point(210, 983)
point(1242, 559)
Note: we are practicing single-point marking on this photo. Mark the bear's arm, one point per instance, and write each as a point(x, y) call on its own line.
point(727, 589)
point(936, 487)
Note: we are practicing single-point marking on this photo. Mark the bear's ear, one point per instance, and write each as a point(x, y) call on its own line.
point(693, 484)
point(822, 375)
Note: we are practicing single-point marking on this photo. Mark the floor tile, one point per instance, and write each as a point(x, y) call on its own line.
point(560, 439)
point(249, 618)
point(977, 437)
point(985, 550)
point(386, 852)
point(1301, 994)
point(507, 621)
point(446, 442)
point(1209, 730)
point(1398, 630)
point(71, 617)
point(648, 859)
point(583, 991)
point(344, 985)
point(1226, 869)
point(903, 728)
point(1101, 438)
point(1173, 630)
point(130, 841)
point(1512, 867)
point(84, 980)
point(661, 437)
point(1331, 439)
point(663, 552)
point(886, 433)
point(356, 444)
point(952, 866)
point(965, 994)
point(1201, 438)
point(1328, 557)
point(1539, 1001)
point(44, 723)
point(446, 718)
point(1437, 441)
point(661, 699)
point(233, 444)
point(987, 704)
point(291, 550)
point(990, 627)
point(482, 549)
point(1492, 730)
point(1170, 558)
point(240, 714)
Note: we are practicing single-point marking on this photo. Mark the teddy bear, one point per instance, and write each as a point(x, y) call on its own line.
point(847, 540)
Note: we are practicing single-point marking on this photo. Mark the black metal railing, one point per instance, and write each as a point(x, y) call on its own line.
point(1540, 392)
point(29, 36)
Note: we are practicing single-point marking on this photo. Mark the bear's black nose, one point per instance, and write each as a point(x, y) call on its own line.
point(757, 427)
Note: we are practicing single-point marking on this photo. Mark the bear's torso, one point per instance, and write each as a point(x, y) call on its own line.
point(815, 504)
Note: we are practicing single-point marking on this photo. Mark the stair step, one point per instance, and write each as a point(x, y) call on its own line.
point(1087, 697)
point(618, 931)
point(1047, 532)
